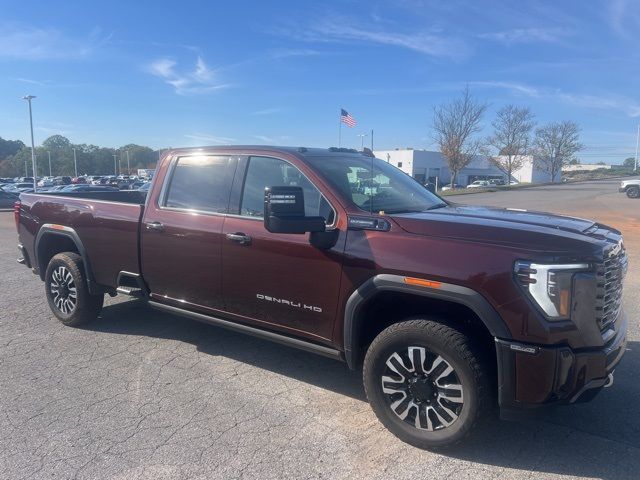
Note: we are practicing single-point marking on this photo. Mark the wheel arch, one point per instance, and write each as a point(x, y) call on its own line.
point(53, 239)
point(355, 322)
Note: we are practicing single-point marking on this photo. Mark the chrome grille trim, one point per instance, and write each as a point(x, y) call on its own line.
point(610, 279)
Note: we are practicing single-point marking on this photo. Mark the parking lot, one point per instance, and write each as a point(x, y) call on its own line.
point(143, 394)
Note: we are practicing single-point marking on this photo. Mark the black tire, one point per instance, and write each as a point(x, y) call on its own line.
point(67, 292)
point(431, 402)
point(633, 192)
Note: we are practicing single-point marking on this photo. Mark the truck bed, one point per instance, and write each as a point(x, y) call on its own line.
point(106, 222)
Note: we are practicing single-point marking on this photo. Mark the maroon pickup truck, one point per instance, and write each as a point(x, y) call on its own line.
point(448, 309)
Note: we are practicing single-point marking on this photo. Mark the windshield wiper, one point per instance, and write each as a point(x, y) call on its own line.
point(438, 205)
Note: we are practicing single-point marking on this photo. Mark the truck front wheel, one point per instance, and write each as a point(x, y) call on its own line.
point(633, 192)
point(425, 382)
point(67, 291)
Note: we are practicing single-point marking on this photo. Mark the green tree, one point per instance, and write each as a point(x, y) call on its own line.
point(629, 162)
point(9, 147)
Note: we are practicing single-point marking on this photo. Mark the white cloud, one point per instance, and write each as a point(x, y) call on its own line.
point(26, 42)
point(344, 30)
point(527, 35)
point(628, 106)
point(624, 17)
point(205, 137)
point(267, 111)
point(199, 80)
point(265, 139)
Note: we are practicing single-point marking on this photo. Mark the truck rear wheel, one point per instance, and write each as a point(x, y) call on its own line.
point(67, 291)
point(425, 382)
point(633, 192)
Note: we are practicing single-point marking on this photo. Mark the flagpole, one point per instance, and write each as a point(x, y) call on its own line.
point(340, 128)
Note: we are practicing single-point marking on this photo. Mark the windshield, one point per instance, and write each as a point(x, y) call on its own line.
point(375, 186)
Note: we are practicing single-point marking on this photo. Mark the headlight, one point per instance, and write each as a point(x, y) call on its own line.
point(549, 285)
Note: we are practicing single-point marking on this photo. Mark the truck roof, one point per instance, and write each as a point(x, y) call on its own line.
point(298, 151)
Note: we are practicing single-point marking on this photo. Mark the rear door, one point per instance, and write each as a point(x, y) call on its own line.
point(279, 280)
point(181, 233)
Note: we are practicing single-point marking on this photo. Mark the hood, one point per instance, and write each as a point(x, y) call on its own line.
point(515, 227)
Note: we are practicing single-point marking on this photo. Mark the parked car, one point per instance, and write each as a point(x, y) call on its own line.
point(88, 188)
point(144, 187)
point(499, 182)
point(446, 307)
point(479, 184)
point(631, 188)
point(7, 199)
point(450, 186)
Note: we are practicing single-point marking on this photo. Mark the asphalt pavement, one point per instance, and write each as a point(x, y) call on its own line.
point(142, 394)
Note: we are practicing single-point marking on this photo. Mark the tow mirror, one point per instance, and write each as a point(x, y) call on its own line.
point(284, 212)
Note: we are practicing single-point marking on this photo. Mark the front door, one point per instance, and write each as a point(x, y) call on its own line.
point(181, 233)
point(279, 280)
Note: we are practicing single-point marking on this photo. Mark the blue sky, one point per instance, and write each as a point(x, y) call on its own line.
point(201, 73)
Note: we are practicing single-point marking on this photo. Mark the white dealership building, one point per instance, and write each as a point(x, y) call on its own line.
point(425, 165)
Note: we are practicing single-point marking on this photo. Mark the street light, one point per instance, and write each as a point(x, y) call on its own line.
point(28, 98)
point(49, 153)
point(128, 165)
point(635, 162)
point(115, 164)
point(362, 135)
point(75, 162)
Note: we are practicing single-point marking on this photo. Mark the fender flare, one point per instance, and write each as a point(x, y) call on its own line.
point(49, 229)
point(468, 297)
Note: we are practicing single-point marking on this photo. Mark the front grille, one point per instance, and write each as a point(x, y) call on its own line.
point(610, 277)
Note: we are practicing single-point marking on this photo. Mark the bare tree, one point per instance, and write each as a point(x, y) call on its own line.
point(556, 144)
point(511, 138)
point(454, 126)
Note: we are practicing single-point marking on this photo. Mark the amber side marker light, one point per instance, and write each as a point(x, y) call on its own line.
point(419, 282)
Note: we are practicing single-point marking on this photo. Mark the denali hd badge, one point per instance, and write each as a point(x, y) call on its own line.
point(290, 303)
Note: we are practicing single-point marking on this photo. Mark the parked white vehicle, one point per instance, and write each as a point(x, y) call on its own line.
point(631, 188)
point(479, 184)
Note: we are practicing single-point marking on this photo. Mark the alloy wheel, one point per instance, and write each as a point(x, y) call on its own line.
point(422, 388)
point(63, 290)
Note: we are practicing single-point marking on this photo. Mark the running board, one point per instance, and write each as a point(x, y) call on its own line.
point(256, 332)
point(131, 291)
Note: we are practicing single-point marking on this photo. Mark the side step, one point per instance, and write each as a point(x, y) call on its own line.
point(131, 291)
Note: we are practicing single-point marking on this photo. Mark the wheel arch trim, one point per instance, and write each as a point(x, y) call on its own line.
point(49, 229)
point(353, 323)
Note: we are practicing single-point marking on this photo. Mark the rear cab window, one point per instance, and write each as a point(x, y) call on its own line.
point(200, 183)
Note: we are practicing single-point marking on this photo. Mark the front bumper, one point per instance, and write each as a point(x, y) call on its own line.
point(622, 189)
point(534, 375)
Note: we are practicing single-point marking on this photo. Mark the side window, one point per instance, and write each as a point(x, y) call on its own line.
point(201, 183)
point(271, 172)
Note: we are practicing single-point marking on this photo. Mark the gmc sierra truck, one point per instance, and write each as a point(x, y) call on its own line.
point(448, 309)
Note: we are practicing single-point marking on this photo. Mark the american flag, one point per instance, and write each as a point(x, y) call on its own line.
point(346, 118)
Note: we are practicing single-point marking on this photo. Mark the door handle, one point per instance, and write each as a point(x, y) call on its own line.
point(240, 238)
point(156, 226)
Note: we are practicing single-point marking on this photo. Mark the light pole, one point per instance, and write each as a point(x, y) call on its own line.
point(115, 164)
point(75, 162)
point(50, 174)
point(128, 165)
point(635, 163)
point(28, 98)
point(362, 135)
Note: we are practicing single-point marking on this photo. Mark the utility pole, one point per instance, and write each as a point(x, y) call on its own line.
point(115, 164)
point(50, 174)
point(75, 162)
point(128, 164)
point(635, 163)
point(372, 140)
point(28, 98)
